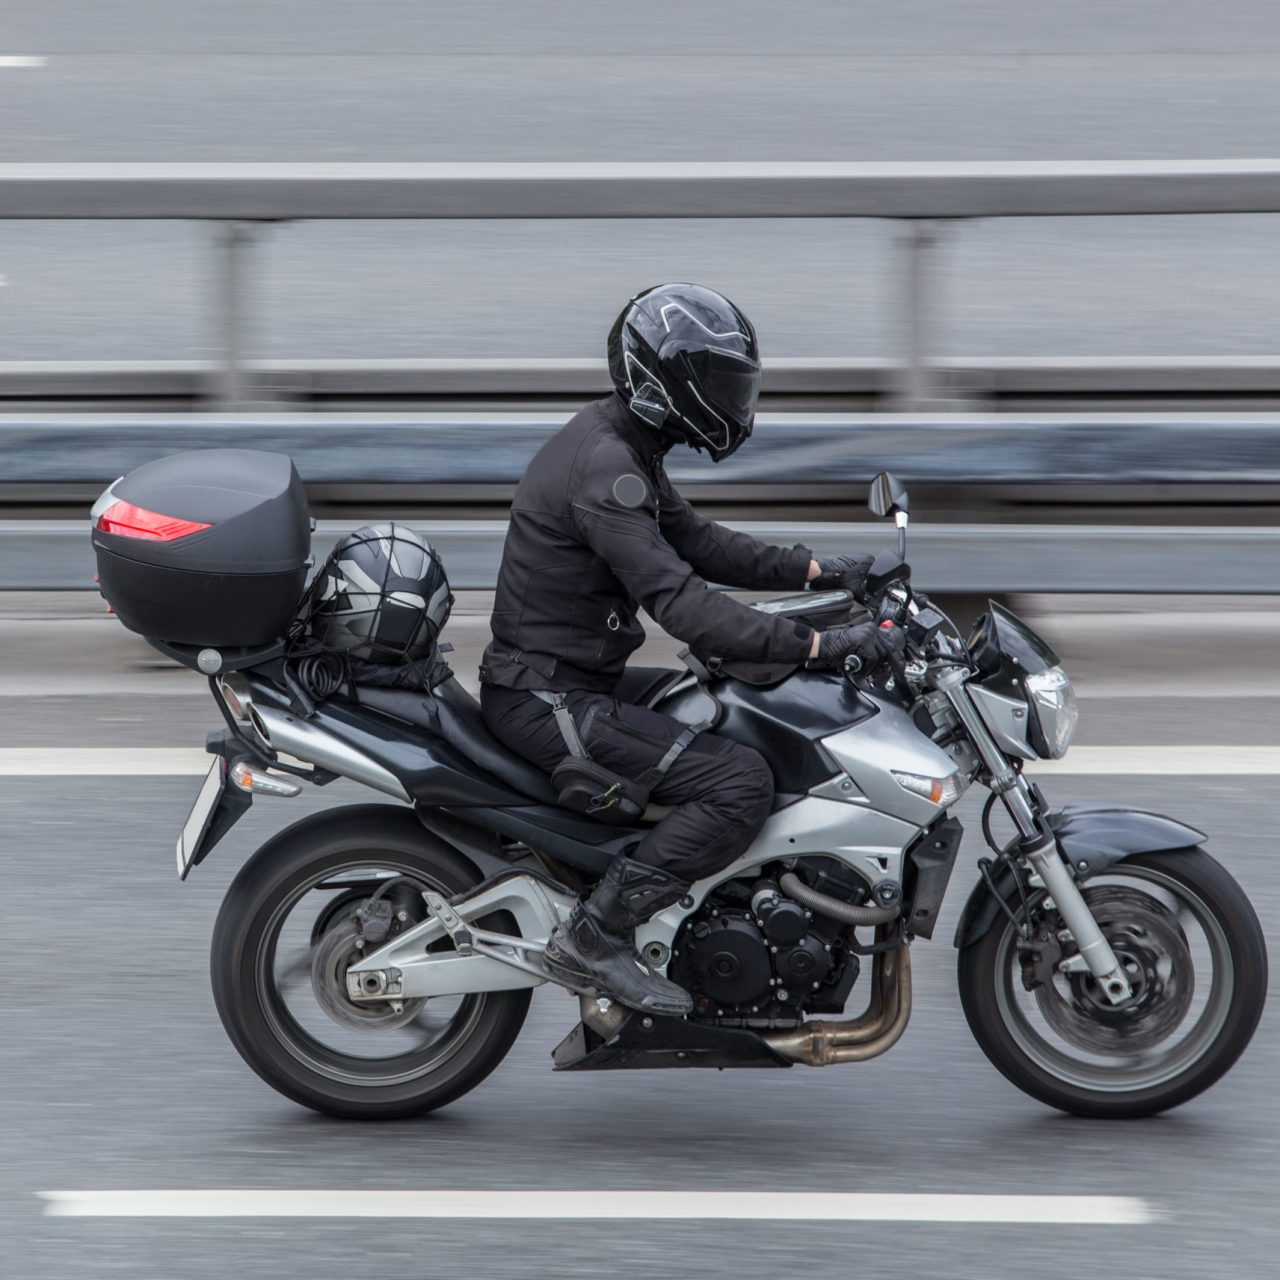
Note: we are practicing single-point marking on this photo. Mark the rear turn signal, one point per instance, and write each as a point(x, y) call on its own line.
point(127, 521)
point(247, 778)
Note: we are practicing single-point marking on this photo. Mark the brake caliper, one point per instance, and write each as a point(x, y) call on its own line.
point(1039, 956)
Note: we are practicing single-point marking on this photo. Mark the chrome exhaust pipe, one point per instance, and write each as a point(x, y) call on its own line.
point(305, 741)
point(237, 694)
point(823, 1044)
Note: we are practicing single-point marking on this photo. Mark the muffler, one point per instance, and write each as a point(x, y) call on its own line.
point(822, 1044)
point(311, 744)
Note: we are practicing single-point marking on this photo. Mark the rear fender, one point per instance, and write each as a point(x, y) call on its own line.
point(376, 819)
point(1092, 838)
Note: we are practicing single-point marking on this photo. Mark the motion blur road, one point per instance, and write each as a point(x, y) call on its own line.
point(117, 1074)
point(189, 80)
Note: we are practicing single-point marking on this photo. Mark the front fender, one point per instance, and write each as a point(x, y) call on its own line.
point(1092, 838)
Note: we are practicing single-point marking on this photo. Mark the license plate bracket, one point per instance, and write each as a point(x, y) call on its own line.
point(218, 807)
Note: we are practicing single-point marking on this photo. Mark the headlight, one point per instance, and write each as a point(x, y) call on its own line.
point(1053, 712)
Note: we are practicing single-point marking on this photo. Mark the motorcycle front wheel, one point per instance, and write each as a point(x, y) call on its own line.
point(286, 933)
point(1193, 950)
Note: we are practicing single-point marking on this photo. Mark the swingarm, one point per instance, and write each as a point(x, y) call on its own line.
point(480, 959)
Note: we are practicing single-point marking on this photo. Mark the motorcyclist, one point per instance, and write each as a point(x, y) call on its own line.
point(598, 532)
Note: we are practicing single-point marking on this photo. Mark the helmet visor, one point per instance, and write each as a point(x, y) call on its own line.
point(729, 384)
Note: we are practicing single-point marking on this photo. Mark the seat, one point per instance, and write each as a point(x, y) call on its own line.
point(452, 714)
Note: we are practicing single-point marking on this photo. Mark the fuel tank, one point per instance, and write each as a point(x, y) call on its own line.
point(785, 722)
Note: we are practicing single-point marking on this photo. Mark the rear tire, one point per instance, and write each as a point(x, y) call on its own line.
point(983, 967)
point(272, 1044)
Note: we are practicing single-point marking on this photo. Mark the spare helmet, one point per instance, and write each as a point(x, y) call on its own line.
point(382, 596)
point(685, 360)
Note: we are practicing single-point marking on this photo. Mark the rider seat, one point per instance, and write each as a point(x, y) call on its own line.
point(452, 714)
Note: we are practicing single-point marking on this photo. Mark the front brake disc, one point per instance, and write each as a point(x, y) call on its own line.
point(1156, 957)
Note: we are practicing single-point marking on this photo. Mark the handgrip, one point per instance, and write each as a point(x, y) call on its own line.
point(895, 660)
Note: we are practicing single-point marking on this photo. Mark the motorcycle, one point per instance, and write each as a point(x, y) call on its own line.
point(377, 960)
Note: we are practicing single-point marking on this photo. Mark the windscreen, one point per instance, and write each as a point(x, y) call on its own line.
point(1007, 651)
point(1017, 640)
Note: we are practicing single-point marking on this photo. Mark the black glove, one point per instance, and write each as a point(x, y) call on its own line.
point(868, 643)
point(842, 573)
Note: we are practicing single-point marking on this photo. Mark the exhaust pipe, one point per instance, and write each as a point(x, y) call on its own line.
point(313, 745)
point(823, 1044)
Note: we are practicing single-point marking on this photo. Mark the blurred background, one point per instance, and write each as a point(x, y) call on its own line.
point(1086, 410)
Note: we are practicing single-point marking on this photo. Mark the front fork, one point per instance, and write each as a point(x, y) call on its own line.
point(1039, 848)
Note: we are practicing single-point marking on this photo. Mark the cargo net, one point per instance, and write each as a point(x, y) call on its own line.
point(372, 616)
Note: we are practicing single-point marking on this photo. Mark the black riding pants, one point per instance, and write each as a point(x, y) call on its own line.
point(721, 791)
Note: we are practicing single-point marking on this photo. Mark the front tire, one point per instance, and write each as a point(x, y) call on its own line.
point(1062, 1045)
point(337, 1069)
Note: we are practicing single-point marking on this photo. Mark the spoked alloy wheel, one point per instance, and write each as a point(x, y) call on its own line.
point(284, 939)
point(1193, 952)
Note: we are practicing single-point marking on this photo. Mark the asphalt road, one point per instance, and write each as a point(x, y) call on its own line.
point(117, 1073)
point(569, 80)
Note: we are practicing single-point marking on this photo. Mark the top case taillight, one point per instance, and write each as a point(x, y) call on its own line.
point(127, 521)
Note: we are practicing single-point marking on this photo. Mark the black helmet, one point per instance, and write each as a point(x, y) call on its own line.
point(382, 596)
point(685, 360)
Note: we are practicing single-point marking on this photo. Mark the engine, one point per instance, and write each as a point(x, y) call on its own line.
point(751, 956)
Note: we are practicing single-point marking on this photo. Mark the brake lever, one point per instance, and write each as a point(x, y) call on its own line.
point(899, 669)
point(895, 661)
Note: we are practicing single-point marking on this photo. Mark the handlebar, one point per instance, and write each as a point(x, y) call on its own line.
point(897, 605)
point(808, 602)
point(893, 603)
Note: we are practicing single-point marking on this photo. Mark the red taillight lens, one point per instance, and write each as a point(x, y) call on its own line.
point(127, 521)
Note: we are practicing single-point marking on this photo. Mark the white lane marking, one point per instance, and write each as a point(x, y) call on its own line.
point(1154, 761)
point(793, 1206)
point(1165, 761)
point(17, 60)
point(107, 762)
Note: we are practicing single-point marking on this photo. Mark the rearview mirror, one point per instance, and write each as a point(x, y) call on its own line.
point(888, 495)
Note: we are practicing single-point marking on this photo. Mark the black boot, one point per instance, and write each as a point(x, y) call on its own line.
point(596, 951)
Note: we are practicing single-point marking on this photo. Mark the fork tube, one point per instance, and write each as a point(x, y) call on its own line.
point(1039, 848)
point(1005, 781)
point(1074, 910)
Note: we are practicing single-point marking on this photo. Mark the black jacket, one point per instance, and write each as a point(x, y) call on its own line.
point(598, 532)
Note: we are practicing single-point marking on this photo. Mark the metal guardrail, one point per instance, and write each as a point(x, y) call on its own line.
point(969, 559)
point(977, 378)
point(491, 448)
point(237, 196)
point(669, 189)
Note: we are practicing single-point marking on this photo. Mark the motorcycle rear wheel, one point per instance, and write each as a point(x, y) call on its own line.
point(1063, 1044)
point(327, 1057)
